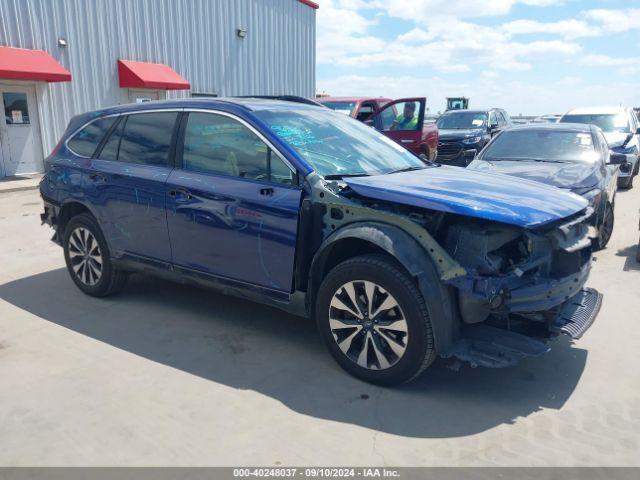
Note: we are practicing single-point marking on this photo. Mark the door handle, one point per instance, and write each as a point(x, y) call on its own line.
point(266, 191)
point(407, 141)
point(181, 193)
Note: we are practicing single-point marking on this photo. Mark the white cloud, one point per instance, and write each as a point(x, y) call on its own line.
point(426, 10)
point(450, 45)
point(446, 41)
point(590, 23)
point(623, 66)
point(342, 32)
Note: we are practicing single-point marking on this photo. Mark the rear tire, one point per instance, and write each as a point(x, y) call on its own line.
point(374, 321)
point(88, 259)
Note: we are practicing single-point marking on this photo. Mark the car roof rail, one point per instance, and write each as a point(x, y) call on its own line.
point(286, 98)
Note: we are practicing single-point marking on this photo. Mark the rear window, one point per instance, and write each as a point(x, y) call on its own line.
point(85, 142)
point(542, 145)
point(607, 122)
point(342, 107)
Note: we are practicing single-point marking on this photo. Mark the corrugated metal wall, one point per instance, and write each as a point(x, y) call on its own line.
point(197, 38)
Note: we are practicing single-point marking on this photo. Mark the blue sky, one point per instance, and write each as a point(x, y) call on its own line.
point(528, 56)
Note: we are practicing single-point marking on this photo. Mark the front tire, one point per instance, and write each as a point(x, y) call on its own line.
point(88, 260)
point(605, 229)
point(374, 321)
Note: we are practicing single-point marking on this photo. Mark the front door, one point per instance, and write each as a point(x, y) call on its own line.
point(232, 206)
point(401, 120)
point(19, 132)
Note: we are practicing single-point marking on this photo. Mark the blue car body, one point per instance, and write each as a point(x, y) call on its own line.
point(491, 245)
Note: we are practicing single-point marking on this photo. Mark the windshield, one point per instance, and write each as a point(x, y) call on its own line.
point(607, 122)
point(542, 145)
point(337, 145)
point(342, 107)
point(462, 120)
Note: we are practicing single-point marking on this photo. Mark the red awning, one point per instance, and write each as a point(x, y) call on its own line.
point(149, 75)
point(24, 64)
point(310, 3)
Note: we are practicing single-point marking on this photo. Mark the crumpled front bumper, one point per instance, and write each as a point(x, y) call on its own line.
point(487, 346)
point(479, 297)
point(547, 294)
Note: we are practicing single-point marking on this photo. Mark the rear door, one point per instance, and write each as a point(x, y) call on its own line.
point(126, 184)
point(401, 120)
point(232, 204)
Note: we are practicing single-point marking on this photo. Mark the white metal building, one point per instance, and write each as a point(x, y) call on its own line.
point(59, 58)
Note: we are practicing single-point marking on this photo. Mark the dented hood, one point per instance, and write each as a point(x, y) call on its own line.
point(496, 197)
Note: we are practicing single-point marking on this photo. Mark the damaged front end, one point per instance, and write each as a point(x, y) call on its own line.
point(501, 274)
point(522, 287)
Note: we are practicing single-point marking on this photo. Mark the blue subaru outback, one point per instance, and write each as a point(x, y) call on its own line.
point(398, 260)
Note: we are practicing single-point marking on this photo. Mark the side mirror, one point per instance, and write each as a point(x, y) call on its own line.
point(617, 158)
point(638, 131)
point(494, 126)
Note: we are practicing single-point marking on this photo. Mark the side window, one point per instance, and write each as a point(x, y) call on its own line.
point(507, 118)
point(387, 116)
point(221, 145)
point(110, 148)
point(146, 138)
point(366, 110)
point(405, 120)
point(86, 141)
point(501, 120)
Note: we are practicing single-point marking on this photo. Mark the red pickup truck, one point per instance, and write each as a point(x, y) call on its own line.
point(384, 113)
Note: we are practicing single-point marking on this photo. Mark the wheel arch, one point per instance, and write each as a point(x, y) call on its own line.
point(372, 237)
point(68, 210)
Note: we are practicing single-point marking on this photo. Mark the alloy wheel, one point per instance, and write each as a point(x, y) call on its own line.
point(368, 325)
point(85, 256)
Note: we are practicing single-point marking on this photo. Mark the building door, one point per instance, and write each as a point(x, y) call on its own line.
point(19, 132)
point(141, 96)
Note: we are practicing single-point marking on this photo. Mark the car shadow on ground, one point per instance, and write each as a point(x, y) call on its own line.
point(629, 254)
point(247, 346)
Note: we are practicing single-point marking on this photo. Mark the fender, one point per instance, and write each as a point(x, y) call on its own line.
point(58, 207)
point(400, 245)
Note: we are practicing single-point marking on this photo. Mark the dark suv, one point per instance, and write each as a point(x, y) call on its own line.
point(305, 209)
point(463, 133)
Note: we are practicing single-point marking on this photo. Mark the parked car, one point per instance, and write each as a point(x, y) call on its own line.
point(420, 137)
point(463, 133)
point(574, 157)
point(621, 128)
point(299, 207)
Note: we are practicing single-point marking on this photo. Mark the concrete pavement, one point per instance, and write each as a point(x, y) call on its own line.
point(168, 375)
